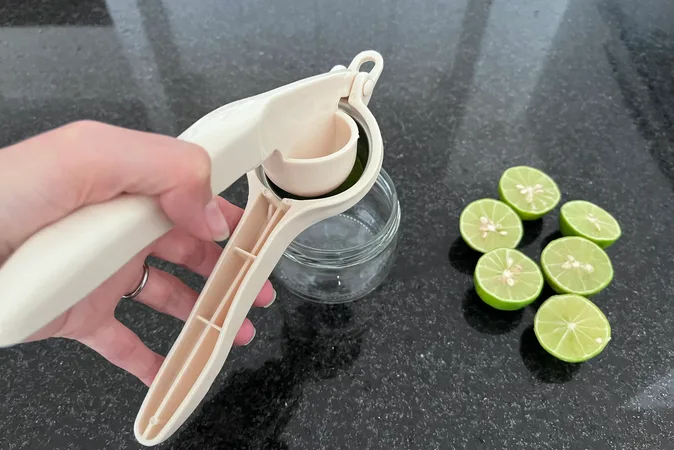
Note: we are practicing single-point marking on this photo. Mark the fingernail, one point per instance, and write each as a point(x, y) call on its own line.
point(252, 337)
point(273, 299)
point(215, 221)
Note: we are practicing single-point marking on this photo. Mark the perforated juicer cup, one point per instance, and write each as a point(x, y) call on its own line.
point(305, 144)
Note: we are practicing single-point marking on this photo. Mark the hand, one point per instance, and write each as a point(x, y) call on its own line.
point(45, 178)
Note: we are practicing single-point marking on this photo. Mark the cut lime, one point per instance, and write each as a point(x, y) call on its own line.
point(488, 224)
point(574, 265)
point(507, 279)
point(584, 219)
point(571, 328)
point(530, 192)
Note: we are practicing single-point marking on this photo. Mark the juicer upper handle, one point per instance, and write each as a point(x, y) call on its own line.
point(65, 261)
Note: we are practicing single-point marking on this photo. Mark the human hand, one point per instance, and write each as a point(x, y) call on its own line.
point(46, 177)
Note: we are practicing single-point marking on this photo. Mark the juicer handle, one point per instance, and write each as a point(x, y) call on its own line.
point(65, 261)
point(202, 347)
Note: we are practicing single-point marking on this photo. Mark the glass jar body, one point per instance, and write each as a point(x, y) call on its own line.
point(347, 256)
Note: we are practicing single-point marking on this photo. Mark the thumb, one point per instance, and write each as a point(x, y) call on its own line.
point(55, 173)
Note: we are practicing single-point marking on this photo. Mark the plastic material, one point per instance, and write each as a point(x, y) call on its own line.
point(268, 226)
point(297, 133)
point(282, 127)
point(319, 174)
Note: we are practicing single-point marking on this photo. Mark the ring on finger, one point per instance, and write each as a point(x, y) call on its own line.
point(141, 285)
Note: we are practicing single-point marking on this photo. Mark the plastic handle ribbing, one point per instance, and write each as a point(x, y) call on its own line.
point(208, 335)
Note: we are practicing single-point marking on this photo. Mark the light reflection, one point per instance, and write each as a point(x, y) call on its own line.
point(659, 395)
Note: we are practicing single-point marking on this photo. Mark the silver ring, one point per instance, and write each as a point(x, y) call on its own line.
point(141, 285)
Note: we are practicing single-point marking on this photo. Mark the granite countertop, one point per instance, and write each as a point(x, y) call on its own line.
point(583, 89)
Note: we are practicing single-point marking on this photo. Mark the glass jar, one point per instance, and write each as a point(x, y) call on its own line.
point(347, 256)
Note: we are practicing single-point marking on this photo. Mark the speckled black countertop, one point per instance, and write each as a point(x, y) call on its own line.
point(583, 89)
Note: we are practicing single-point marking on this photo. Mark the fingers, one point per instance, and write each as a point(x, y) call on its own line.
point(246, 333)
point(90, 162)
point(200, 257)
point(167, 294)
point(179, 247)
point(123, 348)
point(232, 213)
point(266, 297)
point(221, 217)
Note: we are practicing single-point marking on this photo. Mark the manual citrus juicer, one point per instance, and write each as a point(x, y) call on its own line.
point(301, 138)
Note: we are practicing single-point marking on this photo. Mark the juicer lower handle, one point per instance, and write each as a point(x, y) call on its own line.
point(65, 261)
point(202, 347)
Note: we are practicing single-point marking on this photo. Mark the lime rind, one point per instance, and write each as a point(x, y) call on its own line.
point(585, 219)
point(488, 224)
point(529, 191)
point(575, 265)
point(507, 279)
point(571, 328)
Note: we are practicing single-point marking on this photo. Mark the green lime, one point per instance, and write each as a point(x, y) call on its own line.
point(571, 328)
point(530, 192)
point(584, 219)
point(488, 224)
point(507, 279)
point(574, 265)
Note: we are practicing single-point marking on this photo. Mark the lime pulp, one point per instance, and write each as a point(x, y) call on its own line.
point(585, 219)
point(507, 279)
point(571, 328)
point(575, 265)
point(488, 224)
point(529, 191)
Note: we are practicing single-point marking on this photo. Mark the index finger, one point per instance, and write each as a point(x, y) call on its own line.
point(82, 163)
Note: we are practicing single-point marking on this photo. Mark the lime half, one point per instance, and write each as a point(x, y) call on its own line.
point(571, 328)
point(507, 279)
point(581, 218)
point(574, 265)
point(530, 192)
point(488, 224)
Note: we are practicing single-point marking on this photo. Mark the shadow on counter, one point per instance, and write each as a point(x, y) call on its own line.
point(477, 314)
point(486, 319)
point(254, 407)
point(549, 238)
point(541, 364)
point(532, 229)
point(462, 257)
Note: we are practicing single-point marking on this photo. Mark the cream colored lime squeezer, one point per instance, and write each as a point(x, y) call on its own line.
point(302, 137)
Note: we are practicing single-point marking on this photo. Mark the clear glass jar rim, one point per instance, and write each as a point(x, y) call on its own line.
point(361, 251)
